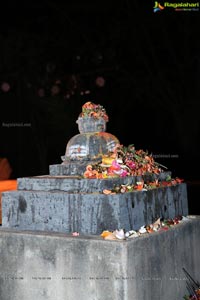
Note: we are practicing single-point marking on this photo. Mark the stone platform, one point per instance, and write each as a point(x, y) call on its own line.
point(39, 257)
point(74, 168)
point(69, 204)
point(78, 184)
point(57, 266)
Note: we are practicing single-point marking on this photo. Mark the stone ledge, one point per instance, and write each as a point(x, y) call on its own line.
point(77, 184)
point(78, 168)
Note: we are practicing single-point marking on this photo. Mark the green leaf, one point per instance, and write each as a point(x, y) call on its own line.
point(168, 178)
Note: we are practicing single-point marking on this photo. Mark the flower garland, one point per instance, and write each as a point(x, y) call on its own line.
point(93, 110)
point(122, 162)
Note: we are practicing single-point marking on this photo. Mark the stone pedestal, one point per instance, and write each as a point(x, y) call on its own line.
point(67, 204)
point(56, 266)
point(39, 259)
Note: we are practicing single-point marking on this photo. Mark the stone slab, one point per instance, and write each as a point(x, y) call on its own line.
point(53, 266)
point(78, 168)
point(91, 213)
point(69, 168)
point(76, 184)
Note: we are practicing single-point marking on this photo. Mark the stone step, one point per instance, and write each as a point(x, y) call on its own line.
point(78, 168)
point(78, 184)
point(91, 213)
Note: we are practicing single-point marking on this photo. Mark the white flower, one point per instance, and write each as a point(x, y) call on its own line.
point(142, 229)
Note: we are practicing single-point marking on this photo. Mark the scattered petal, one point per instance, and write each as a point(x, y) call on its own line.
point(110, 236)
point(142, 229)
point(75, 233)
point(156, 226)
point(119, 234)
point(132, 234)
point(107, 192)
point(105, 233)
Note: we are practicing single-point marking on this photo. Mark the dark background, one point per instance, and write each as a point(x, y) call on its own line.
point(52, 52)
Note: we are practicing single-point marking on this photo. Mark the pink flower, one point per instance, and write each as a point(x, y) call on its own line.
point(123, 173)
point(131, 164)
point(75, 233)
point(115, 165)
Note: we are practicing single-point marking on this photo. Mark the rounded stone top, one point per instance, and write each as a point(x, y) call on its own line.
point(90, 146)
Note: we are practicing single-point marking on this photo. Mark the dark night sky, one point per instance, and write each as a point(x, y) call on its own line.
point(150, 63)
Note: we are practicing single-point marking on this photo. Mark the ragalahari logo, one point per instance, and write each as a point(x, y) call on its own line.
point(157, 7)
point(177, 6)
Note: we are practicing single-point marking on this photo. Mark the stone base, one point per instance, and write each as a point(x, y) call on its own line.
point(93, 212)
point(70, 168)
point(49, 266)
point(78, 184)
point(74, 168)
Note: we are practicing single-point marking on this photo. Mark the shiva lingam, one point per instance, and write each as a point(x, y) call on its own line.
point(93, 141)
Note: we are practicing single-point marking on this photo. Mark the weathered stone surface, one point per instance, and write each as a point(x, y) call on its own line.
point(53, 266)
point(90, 145)
point(69, 184)
point(75, 184)
point(75, 168)
point(69, 168)
point(91, 213)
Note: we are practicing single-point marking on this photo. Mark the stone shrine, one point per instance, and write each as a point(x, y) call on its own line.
point(65, 201)
point(96, 188)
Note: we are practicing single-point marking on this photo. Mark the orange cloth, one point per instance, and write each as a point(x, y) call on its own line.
point(5, 169)
point(6, 185)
